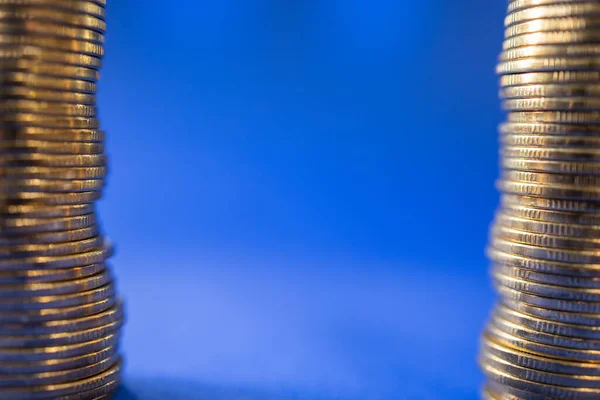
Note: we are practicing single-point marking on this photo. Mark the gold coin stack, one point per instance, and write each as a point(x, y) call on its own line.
point(59, 315)
point(543, 337)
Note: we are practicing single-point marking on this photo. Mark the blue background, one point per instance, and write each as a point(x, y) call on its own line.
point(300, 193)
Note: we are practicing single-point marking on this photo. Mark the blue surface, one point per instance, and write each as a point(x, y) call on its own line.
point(300, 195)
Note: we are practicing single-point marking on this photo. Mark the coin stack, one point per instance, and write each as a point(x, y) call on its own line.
point(543, 337)
point(59, 315)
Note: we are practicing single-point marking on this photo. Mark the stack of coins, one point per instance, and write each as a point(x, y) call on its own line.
point(59, 315)
point(543, 337)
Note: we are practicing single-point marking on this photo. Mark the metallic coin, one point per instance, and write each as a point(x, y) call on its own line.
point(85, 7)
point(48, 69)
point(54, 121)
point(50, 186)
point(551, 179)
point(549, 50)
point(14, 226)
point(40, 354)
point(40, 315)
point(551, 141)
point(557, 77)
point(552, 153)
point(591, 333)
point(545, 239)
point(64, 389)
point(515, 341)
point(45, 28)
point(66, 18)
point(564, 117)
point(564, 317)
point(34, 81)
point(57, 339)
point(552, 104)
point(49, 238)
point(50, 275)
point(538, 336)
point(539, 363)
point(77, 46)
point(548, 129)
point(554, 216)
point(553, 11)
point(108, 316)
point(69, 261)
point(548, 90)
point(58, 301)
point(50, 249)
point(51, 198)
point(63, 136)
point(552, 24)
point(34, 367)
point(23, 92)
point(545, 278)
point(37, 211)
point(545, 302)
point(554, 37)
point(545, 290)
point(25, 173)
point(49, 147)
point(104, 392)
point(549, 267)
point(30, 290)
point(556, 192)
point(46, 108)
point(552, 204)
point(53, 160)
point(545, 253)
point(550, 166)
point(57, 377)
point(47, 55)
point(547, 64)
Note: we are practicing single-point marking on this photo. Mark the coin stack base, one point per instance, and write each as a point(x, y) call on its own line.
point(60, 317)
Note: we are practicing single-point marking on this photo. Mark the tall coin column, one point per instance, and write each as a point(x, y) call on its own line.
point(543, 337)
point(59, 317)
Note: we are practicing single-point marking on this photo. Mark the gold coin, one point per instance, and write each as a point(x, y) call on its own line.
point(45, 28)
point(79, 6)
point(9, 187)
point(552, 11)
point(22, 92)
point(552, 141)
point(19, 173)
point(48, 69)
point(49, 147)
point(565, 117)
point(577, 206)
point(551, 179)
point(547, 64)
point(71, 45)
point(550, 90)
point(546, 253)
point(53, 160)
point(50, 121)
point(554, 216)
point(46, 108)
point(553, 24)
point(36, 211)
point(544, 240)
point(553, 229)
point(548, 129)
point(51, 198)
point(8, 13)
point(552, 153)
point(550, 50)
point(552, 104)
point(550, 77)
point(547, 279)
point(47, 55)
point(554, 37)
point(34, 81)
point(50, 134)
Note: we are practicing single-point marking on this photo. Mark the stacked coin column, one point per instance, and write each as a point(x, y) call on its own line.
point(543, 338)
point(59, 317)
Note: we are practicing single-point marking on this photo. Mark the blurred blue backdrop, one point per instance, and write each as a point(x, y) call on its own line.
point(300, 194)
